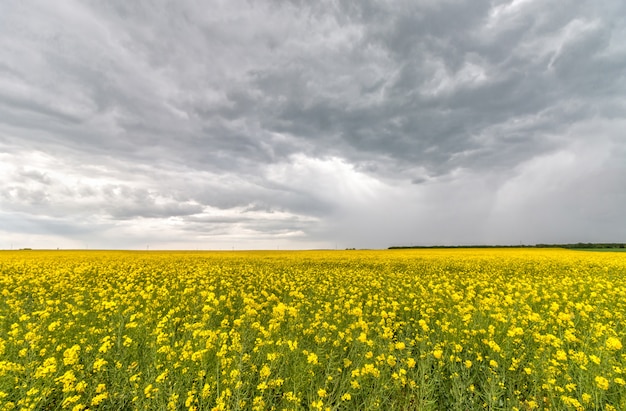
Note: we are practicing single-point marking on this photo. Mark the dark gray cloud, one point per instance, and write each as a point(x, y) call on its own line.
point(299, 124)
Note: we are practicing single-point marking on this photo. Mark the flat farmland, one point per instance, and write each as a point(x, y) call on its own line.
point(461, 329)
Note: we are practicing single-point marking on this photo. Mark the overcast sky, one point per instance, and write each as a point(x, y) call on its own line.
point(297, 124)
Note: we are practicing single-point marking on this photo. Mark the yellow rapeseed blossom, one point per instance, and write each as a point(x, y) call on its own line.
point(572, 402)
point(98, 364)
point(98, 399)
point(613, 344)
point(561, 355)
point(394, 329)
point(70, 401)
point(70, 356)
point(265, 372)
point(68, 379)
point(602, 383)
point(312, 358)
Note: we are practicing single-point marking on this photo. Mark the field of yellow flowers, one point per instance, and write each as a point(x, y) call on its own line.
point(496, 329)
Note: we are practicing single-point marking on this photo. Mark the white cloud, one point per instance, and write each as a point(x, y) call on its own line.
point(287, 124)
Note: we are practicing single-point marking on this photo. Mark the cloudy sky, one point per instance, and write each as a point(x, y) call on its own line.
point(296, 124)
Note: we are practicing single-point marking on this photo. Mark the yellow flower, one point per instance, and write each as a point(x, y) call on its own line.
point(48, 367)
point(70, 400)
point(67, 379)
point(149, 391)
point(602, 383)
point(318, 405)
point(572, 402)
point(127, 341)
point(515, 331)
point(291, 397)
point(173, 402)
point(371, 370)
point(256, 312)
point(532, 405)
point(70, 356)
point(106, 345)
point(265, 372)
point(206, 391)
point(80, 386)
point(191, 398)
point(98, 364)
point(258, 403)
point(312, 358)
point(613, 344)
point(54, 325)
point(494, 346)
point(161, 377)
point(276, 382)
point(98, 399)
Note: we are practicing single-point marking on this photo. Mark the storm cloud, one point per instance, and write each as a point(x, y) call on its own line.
point(290, 124)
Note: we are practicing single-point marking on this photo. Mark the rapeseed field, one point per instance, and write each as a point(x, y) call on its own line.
point(493, 329)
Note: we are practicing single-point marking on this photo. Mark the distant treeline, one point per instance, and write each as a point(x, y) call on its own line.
point(571, 246)
point(584, 245)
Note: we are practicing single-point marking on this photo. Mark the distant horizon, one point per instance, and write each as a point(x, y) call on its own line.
point(434, 246)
